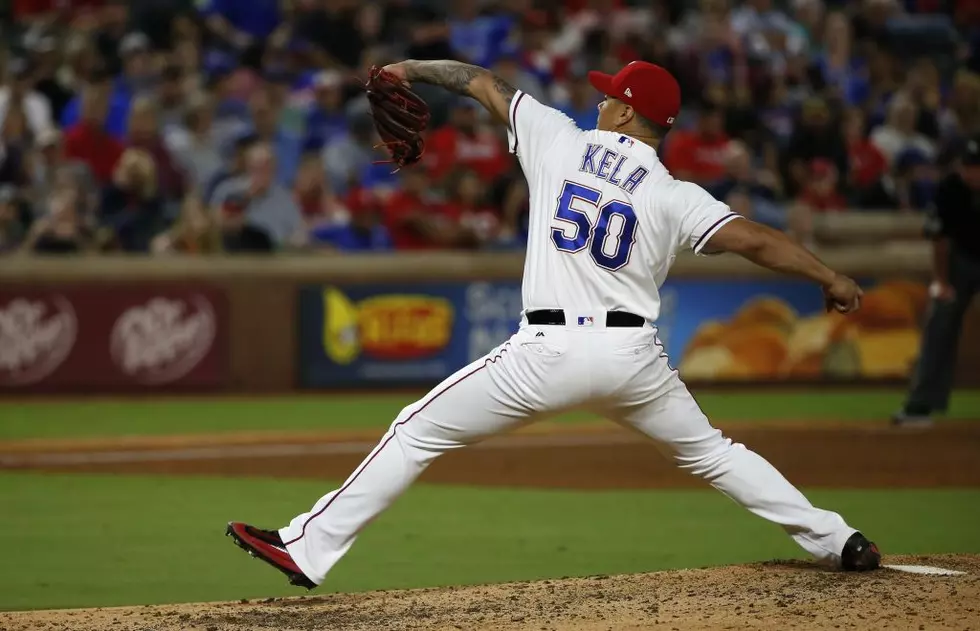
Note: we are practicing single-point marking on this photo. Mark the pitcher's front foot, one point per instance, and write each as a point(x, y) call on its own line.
point(268, 546)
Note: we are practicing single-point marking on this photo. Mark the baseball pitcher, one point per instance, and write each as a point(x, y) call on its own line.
point(606, 222)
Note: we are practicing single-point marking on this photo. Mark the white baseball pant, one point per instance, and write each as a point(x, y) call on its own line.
point(620, 373)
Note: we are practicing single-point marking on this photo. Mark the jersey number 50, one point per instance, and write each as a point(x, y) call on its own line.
point(595, 237)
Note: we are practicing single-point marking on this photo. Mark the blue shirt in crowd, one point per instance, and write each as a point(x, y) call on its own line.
point(348, 238)
point(258, 18)
point(480, 40)
point(117, 117)
point(585, 118)
point(322, 127)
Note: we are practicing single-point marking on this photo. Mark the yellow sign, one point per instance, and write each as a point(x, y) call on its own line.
point(392, 326)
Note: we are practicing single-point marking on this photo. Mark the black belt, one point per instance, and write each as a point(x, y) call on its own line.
point(546, 317)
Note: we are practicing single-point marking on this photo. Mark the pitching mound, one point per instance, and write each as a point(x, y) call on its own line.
point(775, 595)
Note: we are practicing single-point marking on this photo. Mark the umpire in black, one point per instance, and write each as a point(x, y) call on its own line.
point(954, 227)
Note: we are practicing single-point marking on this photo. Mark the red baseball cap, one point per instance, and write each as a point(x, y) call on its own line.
point(647, 88)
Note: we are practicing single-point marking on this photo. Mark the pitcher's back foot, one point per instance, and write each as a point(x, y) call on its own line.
point(859, 554)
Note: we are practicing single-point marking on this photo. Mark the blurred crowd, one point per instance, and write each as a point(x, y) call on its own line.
point(224, 125)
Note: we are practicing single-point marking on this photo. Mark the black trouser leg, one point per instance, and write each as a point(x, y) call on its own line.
point(932, 379)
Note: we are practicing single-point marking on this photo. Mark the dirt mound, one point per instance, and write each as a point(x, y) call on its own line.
point(775, 595)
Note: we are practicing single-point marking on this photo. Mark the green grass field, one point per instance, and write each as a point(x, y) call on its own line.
point(97, 540)
point(120, 417)
point(74, 541)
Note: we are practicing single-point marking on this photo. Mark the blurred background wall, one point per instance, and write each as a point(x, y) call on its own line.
point(190, 200)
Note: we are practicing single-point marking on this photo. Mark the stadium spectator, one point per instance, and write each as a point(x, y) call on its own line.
point(348, 159)
point(62, 229)
point(112, 28)
point(698, 155)
point(132, 204)
point(137, 78)
point(415, 219)
point(317, 203)
point(922, 87)
point(821, 192)
point(171, 96)
point(144, 133)
point(511, 69)
point(580, 106)
point(48, 80)
point(750, 191)
point(467, 200)
point(194, 231)
point(45, 161)
point(194, 144)
point(961, 117)
point(867, 164)
point(363, 233)
point(816, 136)
point(916, 180)
point(19, 99)
point(465, 142)
point(326, 120)
point(265, 113)
point(12, 227)
point(255, 213)
point(87, 140)
point(331, 29)
point(233, 168)
point(241, 25)
point(475, 37)
point(899, 131)
point(844, 72)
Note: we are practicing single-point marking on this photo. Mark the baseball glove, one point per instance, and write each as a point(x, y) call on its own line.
point(399, 116)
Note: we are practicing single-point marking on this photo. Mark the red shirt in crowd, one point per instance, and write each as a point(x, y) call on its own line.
point(400, 207)
point(448, 148)
point(29, 8)
point(169, 177)
point(866, 162)
point(692, 156)
point(92, 145)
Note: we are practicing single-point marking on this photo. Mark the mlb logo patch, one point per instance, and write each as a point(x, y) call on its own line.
point(586, 320)
point(623, 140)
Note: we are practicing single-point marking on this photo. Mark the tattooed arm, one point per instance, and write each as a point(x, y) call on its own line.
point(488, 89)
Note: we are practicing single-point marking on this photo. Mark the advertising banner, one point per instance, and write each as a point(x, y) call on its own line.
point(377, 334)
point(112, 339)
point(766, 331)
point(713, 331)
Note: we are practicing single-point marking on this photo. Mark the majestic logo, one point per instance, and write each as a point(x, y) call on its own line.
point(36, 336)
point(385, 327)
point(164, 339)
point(670, 120)
point(628, 92)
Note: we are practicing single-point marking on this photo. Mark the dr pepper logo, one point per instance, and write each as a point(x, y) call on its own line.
point(164, 339)
point(36, 336)
point(392, 327)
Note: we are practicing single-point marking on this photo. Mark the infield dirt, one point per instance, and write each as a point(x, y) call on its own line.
point(776, 595)
point(788, 595)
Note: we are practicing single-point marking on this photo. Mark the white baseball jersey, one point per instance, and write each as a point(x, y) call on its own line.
point(606, 222)
point(606, 219)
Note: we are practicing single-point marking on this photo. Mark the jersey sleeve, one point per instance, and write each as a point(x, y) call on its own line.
point(699, 216)
point(535, 128)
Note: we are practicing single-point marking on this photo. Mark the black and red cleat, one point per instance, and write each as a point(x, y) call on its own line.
point(268, 546)
point(859, 554)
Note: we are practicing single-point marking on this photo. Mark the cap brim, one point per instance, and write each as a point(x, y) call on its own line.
point(601, 82)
